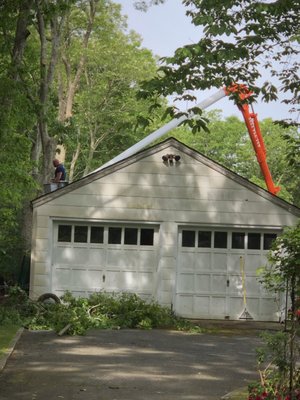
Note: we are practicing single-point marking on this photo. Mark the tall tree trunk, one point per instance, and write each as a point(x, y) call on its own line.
point(73, 162)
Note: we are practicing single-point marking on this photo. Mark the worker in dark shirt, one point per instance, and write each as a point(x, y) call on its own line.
point(60, 172)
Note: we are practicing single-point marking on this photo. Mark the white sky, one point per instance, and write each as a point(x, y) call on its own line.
point(164, 28)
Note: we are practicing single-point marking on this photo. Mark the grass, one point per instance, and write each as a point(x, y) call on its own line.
point(7, 333)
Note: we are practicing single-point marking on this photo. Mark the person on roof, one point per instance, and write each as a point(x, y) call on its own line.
point(60, 172)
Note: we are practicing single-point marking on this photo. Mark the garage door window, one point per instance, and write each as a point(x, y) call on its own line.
point(80, 234)
point(131, 236)
point(204, 239)
point(268, 240)
point(147, 237)
point(114, 235)
point(97, 234)
point(253, 241)
point(238, 240)
point(220, 241)
point(64, 233)
point(188, 238)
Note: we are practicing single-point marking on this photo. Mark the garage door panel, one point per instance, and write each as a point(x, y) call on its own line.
point(186, 283)
point(252, 286)
point(267, 308)
point(146, 260)
point(236, 307)
point(86, 279)
point(185, 305)
point(203, 262)
point(97, 257)
point(70, 255)
point(62, 278)
point(219, 261)
point(218, 283)
point(235, 285)
point(145, 281)
point(186, 261)
point(202, 283)
point(202, 306)
point(253, 262)
point(234, 263)
point(218, 306)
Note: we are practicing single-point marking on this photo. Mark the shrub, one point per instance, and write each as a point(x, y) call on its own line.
point(75, 315)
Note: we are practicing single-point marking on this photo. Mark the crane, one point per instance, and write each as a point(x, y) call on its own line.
point(250, 118)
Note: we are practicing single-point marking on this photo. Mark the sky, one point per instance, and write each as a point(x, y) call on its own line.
point(164, 28)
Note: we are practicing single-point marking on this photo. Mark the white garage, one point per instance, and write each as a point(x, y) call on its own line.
point(166, 223)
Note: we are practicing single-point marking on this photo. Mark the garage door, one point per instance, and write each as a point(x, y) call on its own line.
point(216, 268)
point(93, 257)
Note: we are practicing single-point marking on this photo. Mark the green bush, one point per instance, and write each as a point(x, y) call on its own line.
point(75, 315)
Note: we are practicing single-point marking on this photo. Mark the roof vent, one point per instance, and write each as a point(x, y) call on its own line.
point(171, 158)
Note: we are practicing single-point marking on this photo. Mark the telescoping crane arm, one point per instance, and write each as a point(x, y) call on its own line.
point(250, 120)
point(256, 137)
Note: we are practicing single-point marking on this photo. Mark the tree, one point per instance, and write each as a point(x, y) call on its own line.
point(240, 39)
point(228, 143)
point(283, 274)
point(45, 49)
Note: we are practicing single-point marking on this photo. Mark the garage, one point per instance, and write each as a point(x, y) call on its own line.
point(89, 258)
point(216, 268)
point(189, 234)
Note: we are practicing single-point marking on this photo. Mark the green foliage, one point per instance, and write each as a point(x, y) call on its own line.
point(240, 40)
point(228, 143)
point(101, 310)
point(284, 262)
point(7, 333)
point(281, 377)
point(274, 365)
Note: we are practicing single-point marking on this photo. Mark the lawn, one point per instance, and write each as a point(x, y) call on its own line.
point(7, 333)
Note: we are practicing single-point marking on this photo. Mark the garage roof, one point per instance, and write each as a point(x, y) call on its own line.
point(170, 142)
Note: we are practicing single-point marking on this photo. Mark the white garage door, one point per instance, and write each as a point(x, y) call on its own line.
point(92, 257)
point(216, 268)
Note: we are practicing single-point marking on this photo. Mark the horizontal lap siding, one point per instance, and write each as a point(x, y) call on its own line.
point(150, 191)
point(185, 192)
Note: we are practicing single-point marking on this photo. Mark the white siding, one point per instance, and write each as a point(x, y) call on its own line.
point(188, 192)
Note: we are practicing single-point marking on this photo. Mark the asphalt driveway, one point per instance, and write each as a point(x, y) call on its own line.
point(128, 365)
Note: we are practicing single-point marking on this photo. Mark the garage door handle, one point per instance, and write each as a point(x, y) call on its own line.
point(103, 278)
point(228, 282)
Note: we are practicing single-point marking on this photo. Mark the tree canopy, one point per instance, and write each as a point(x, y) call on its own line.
point(241, 40)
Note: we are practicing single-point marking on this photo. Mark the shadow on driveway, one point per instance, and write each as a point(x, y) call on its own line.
point(128, 365)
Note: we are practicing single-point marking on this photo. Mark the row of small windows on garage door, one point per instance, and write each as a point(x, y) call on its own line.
point(224, 240)
point(105, 234)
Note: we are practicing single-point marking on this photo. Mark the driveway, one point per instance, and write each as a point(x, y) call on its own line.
point(128, 365)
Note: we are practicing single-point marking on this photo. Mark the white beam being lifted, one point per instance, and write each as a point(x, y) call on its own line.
point(162, 131)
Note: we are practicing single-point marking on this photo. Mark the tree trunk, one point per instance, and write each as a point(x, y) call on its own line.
point(73, 162)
